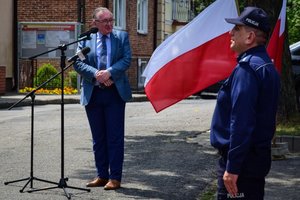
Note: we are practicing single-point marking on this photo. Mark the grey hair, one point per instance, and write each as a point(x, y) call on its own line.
point(261, 37)
point(100, 9)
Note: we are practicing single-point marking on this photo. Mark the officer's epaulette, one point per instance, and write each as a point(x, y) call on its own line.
point(246, 59)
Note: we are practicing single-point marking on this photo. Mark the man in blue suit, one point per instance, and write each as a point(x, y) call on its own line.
point(105, 90)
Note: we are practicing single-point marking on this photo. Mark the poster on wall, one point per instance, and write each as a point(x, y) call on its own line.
point(29, 39)
point(39, 37)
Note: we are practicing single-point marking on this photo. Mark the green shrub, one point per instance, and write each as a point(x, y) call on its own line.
point(44, 73)
point(73, 79)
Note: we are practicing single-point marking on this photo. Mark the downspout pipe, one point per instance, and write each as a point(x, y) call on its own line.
point(15, 47)
point(155, 24)
point(81, 13)
point(106, 4)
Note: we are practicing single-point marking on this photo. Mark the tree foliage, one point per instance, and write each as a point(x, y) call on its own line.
point(200, 5)
point(293, 19)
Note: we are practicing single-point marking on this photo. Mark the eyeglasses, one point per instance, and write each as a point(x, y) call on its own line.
point(105, 21)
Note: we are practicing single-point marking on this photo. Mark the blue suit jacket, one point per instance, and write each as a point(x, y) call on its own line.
point(120, 62)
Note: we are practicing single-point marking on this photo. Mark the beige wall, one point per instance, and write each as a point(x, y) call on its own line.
point(6, 36)
point(168, 18)
point(165, 26)
point(159, 24)
point(164, 20)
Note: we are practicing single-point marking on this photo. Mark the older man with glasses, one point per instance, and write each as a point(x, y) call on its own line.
point(105, 90)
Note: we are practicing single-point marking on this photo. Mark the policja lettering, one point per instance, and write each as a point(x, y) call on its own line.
point(238, 195)
point(252, 22)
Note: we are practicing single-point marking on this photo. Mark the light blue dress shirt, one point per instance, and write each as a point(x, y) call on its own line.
point(99, 48)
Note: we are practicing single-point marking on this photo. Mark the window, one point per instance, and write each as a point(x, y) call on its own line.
point(120, 14)
point(142, 63)
point(142, 16)
point(296, 52)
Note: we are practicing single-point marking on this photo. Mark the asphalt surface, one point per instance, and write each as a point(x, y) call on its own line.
point(167, 154)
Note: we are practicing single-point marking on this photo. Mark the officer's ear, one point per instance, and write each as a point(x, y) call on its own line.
point(251, 37)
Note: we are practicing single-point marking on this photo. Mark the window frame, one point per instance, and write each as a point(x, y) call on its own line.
point(142, 16)
point(119, 14)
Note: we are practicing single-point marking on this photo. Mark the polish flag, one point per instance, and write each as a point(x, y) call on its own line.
point(193, 58)
point(276, 43)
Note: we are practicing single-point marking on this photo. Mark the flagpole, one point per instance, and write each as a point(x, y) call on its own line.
point(237, 6)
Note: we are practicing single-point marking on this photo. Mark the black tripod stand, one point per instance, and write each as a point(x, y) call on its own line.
point(31, 178)
point(63, 180)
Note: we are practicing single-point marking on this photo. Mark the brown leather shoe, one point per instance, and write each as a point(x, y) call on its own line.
point(112, 185)
point(97, 182)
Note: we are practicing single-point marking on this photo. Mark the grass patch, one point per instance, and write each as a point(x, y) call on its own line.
point(291, 128)
point(210, 192)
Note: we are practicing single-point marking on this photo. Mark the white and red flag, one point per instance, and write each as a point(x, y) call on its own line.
point(275, 46)
point(193, 58)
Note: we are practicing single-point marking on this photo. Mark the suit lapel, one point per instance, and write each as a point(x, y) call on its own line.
point(113, 47)
point(94, 46)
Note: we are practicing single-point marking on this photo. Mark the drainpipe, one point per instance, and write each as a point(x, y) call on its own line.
point(106, 4)
point(155, 25)
point(81, 14)
point(15, 46)
point(81, 11)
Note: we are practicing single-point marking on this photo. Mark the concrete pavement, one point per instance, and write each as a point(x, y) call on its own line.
point(159, 163)
point(283, 182)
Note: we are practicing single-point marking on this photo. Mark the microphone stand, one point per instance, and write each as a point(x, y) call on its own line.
point(63, 180)
point(31, 178)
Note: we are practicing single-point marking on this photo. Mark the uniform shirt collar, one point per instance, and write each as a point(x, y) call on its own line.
point(251, 51)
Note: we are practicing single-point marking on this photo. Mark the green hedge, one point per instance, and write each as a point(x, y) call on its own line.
point(44, 73)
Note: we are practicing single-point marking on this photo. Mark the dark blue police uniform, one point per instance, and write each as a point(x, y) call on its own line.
point(243, 123)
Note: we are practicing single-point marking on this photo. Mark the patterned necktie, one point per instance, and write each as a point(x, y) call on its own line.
point(103, 54)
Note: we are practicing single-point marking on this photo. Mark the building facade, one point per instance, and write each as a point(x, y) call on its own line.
point(7, 45)
point(30, 23)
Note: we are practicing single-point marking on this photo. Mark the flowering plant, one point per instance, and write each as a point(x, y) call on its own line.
point(67, 90)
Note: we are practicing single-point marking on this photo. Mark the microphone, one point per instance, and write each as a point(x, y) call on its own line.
point(80, 54)
point(89, 32)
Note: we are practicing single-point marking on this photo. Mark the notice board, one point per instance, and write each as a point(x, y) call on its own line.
point(39, 37)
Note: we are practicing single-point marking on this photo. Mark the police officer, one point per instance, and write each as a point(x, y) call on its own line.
point(243, 122)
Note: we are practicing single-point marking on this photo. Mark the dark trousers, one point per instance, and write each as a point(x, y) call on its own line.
point(106, 113)
point(249, 188)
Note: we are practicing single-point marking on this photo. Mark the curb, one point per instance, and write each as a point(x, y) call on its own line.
point(293, 142)
point(8, 101)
